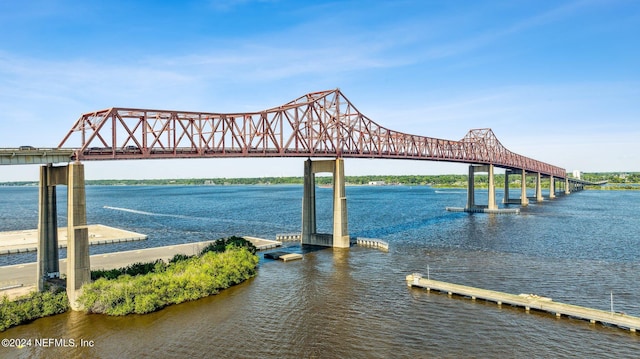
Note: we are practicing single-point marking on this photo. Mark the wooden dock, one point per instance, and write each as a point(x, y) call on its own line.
point(528, 302)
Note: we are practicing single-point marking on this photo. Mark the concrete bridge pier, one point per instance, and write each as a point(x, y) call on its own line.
point(505, 200)
point(567, 190)
point(78, 266)
point(471, 196)
point(552, 187)
point(524, 201)
point(48, 266)
point(539, 197)
point(340, 236)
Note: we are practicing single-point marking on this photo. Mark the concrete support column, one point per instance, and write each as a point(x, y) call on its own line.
point(539, 188)
point(48, 260)
point(340, 236)
point(524, 201)
point(308, 204)
point(471, 196)
point(78, 266)
point(506, 186)
point(340, 227)
point(567, 190)
point(492, 189)
point(552, 187)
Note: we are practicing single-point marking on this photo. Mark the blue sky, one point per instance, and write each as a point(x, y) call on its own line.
point(558, 81)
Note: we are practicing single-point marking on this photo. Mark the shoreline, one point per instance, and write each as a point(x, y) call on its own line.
point(628, 180)
point(25, 274)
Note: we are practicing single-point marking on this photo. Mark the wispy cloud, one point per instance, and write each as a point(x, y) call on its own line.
point(229, 5)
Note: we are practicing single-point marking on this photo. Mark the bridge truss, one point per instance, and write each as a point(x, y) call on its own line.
point(318, 124)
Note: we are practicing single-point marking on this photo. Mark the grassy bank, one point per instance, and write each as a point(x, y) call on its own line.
point(35, 305)
point(218, 267)
point(144, 287)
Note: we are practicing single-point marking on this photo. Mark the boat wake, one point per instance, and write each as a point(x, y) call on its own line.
point(145, 213)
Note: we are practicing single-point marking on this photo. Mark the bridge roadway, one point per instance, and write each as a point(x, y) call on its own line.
point(28, 155)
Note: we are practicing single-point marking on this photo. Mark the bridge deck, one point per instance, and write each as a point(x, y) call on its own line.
point(28, 155)
point(529, 301)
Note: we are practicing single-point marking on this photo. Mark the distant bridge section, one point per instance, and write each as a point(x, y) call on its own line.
point(318, 124)
point(28, 155)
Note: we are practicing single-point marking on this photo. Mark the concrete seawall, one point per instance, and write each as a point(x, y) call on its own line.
point(27, 240)
point(372, 242)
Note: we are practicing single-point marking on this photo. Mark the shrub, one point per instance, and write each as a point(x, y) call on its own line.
point(132, 270)
point(184, 278)
point(179, 257)
point(222, 245)
point(32, 306)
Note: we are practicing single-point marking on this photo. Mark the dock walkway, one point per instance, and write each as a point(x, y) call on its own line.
point(528, 302)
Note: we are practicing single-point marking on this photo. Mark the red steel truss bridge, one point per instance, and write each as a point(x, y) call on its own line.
point(318, 124)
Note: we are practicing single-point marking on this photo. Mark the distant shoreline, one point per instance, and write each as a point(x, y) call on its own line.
point(616, 181)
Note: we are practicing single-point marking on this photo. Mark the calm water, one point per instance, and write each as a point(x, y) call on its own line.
point(355, 304)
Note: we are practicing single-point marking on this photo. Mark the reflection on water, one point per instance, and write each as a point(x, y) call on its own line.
point(354, 303)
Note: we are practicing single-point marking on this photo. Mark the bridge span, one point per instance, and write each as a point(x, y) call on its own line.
point(317, 125)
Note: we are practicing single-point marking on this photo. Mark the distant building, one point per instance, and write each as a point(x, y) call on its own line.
point(376, 183)
point(577, 174)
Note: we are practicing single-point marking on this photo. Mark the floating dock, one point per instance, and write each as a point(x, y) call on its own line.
point(528, 302)
point(27, 240)
point(283, 256)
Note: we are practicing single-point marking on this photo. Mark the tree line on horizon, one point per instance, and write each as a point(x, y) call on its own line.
point(617, 179)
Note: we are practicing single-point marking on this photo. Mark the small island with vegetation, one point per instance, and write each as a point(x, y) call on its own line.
point(144, 287)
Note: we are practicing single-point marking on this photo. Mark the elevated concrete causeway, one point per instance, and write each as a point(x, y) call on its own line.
point(569, 185)
point(28, 155)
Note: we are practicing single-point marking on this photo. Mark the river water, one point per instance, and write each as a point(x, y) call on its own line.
point(582, 249)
